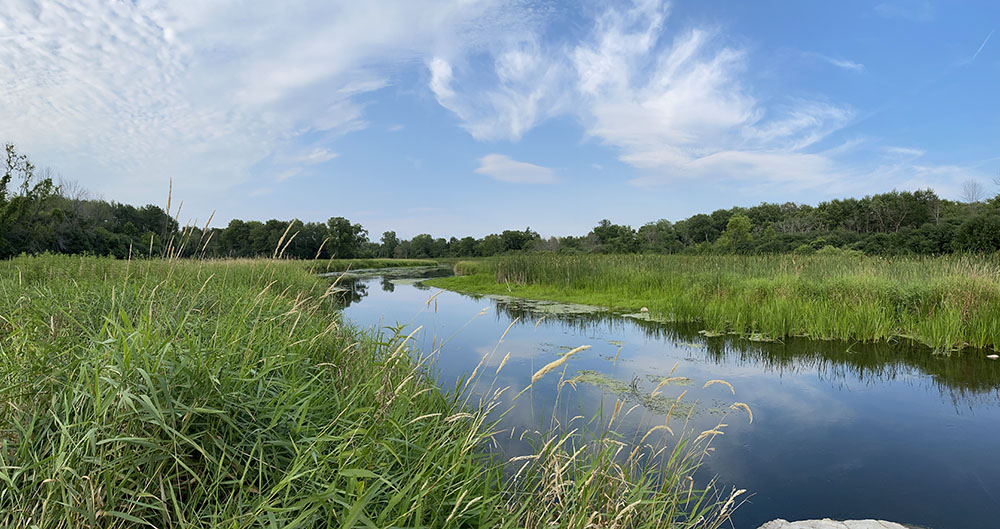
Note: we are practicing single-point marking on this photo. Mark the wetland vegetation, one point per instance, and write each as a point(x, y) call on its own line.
point(207, 377)
point(187, 393)
point(851, 415)
point(946, 303)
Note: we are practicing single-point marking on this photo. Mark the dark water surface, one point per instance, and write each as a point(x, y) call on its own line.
point(840, 430)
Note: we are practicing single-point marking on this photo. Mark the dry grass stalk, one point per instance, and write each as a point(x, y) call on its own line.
point(277, 247)
point(502, 363)
point(554, 364)
point(717, 381)
point(741, 405)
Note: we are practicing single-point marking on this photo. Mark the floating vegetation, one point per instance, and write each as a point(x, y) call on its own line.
point(545, 307)
point(646, 316)
point(630, 392)
point(596, 378)
point(673, 381)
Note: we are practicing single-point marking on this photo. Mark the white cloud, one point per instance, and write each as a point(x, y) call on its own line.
point(981, 46)
point(133, 92)
point(505, 169)
point(681, 110)
point(287, 173)
point(674, 107)
point(846, 64)
point(525, 92)
point(838, 62)
point(905, 152)
point(314, 156)
point(907, 168)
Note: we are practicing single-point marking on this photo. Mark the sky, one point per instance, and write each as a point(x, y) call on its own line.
point(469, 117)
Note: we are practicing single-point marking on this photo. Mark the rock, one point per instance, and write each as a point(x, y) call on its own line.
point(644, 309)
point(827, 523)
point(992, 357)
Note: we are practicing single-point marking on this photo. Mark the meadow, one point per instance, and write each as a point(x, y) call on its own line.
point(191, 393)
point(945, 303)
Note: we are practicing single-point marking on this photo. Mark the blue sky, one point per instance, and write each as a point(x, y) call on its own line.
point(470, 117)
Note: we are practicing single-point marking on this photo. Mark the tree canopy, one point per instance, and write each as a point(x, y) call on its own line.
point(38, 216)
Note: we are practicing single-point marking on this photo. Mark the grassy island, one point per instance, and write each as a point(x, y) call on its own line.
point(947, 303)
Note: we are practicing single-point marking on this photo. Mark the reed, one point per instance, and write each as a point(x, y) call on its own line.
point(946, 303)
point(185, 393)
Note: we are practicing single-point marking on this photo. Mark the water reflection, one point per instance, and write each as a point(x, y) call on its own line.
point(845, 430)
point(353, 285)
point(963, 377)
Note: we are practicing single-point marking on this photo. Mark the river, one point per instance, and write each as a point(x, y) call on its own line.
point(840, 430)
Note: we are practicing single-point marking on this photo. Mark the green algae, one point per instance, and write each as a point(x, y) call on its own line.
point(659, 404)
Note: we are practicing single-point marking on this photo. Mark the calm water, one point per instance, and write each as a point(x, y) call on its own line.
point(840, 430)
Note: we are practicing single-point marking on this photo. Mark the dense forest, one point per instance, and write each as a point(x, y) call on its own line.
point(37, 215)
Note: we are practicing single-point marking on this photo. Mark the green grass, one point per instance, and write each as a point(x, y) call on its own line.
point(946, 303)
point(321, 266)
point(182, 393)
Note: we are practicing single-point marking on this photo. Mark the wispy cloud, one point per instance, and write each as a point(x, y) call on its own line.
point(904, 152)
point(898, 167)
point(526, 91)
point(204, 91)
point(314, 156)
point(838, 62)
point(674, 106)
point(981, 46)
point(505, 169)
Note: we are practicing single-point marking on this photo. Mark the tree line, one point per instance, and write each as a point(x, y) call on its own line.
point(37, 215)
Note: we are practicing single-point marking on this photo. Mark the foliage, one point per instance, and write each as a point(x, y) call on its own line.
point(945, 302)
point(21, 210)
point(37, 217)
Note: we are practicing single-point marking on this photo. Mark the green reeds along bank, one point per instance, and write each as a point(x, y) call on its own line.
point(231, 394)
point(946, 303)
point(322, 266)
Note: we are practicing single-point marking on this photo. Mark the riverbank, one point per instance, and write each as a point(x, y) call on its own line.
point(231, 393)
point(325, 266)
point(946, 303)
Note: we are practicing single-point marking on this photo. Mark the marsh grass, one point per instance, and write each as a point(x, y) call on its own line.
point(325, 266)
point(946, 303)
point(183, 393)
point(598, 471)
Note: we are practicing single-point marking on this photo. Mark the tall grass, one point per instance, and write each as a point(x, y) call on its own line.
point(179, 393)
point(322, 266)
point(946, 303)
